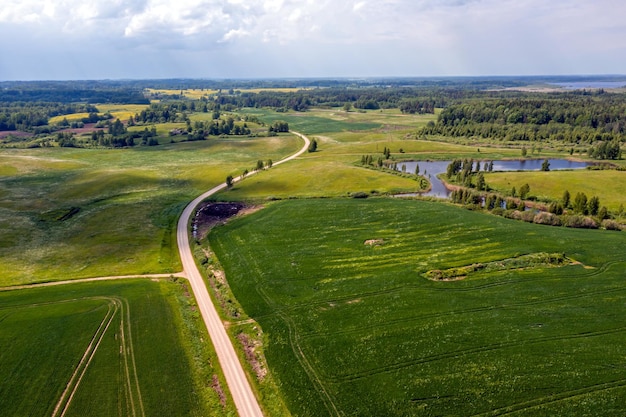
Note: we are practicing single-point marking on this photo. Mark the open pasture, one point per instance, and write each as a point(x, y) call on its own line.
point(354, 327)
point(98, 212)
point(100, 349)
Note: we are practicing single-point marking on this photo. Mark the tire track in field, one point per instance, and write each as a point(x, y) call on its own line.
point(81, 368)
point(554, 398)
point(132, 392)
point(465, 352)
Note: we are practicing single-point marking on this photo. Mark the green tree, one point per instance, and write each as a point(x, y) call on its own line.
point(229, 181)
point(593, 205)
point(566, 199)
point(269, 163)
point(523, 191)
point(313, 146)
point(524, 151)
point(259, 165)
point(580, 203)
point(545, 166)
point(480, 182)
point(347, 106)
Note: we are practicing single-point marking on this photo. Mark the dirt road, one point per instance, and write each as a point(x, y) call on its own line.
point(243, 396)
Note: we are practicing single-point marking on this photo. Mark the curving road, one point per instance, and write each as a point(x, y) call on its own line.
point(243, 396)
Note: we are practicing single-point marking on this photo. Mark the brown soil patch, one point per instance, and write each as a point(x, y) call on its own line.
point(250, 347)
point(215, 384)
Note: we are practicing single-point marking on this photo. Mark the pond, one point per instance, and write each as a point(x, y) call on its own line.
point(430, 170)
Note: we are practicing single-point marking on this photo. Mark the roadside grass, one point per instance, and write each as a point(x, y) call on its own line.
point(608, 185)
point(76, 213)
point(151, 359)
point(360, 326)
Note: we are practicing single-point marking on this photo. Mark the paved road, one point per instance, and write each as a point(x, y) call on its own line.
point(245, 401)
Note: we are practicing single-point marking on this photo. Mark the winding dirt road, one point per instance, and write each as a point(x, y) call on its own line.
point(243, 396)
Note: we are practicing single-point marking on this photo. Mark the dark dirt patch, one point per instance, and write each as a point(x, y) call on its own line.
point(210, 214)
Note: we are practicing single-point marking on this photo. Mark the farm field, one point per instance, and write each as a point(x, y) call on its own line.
point(104, 349)
point(355, 328)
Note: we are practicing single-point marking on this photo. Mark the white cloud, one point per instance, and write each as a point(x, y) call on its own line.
point(403, 37)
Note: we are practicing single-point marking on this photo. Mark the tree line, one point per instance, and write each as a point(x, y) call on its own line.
point(571, 118)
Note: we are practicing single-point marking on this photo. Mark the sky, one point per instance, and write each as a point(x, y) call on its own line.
point(138, 39)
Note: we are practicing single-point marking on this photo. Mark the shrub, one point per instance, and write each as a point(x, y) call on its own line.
point(581, 222)
point(547, 218)
point(359, 194)
point(609, 224)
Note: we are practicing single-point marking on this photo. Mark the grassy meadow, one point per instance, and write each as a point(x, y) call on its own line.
point(354, 327)
point(105, 349)
point(608, 185)
point(75, 213)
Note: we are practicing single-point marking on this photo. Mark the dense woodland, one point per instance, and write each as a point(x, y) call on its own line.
point(573, 118)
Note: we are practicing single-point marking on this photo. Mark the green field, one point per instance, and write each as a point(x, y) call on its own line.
point(354, 327)
point(609, 186)
point(77, 213)
point(104, 349)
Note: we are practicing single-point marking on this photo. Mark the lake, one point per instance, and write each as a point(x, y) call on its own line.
point(430, 169)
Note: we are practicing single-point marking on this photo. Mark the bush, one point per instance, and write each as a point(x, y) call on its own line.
point(360, 194)
point(581, 222)
point(547, 218)
point(611, 225)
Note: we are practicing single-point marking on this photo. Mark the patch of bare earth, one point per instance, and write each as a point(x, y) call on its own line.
point(250, 348)
point(215, 384)
point(374, 242)
point(210, 214)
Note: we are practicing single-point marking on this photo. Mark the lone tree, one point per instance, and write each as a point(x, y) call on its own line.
point(545, 166)
point(523, 191)
point(229, 181)
point(566, 199)
point(313, 146)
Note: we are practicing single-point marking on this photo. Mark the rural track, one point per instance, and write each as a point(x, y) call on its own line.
point(238, 384)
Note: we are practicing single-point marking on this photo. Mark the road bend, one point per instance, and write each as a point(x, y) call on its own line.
point(241, 391)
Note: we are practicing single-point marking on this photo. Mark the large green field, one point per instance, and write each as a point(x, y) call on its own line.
point(355, 328)
point(104, 349)
point(76, 213)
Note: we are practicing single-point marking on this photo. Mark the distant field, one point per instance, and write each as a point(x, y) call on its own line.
point(101, 349)
point(338, 288)
point(609, 186)
point(74, 213)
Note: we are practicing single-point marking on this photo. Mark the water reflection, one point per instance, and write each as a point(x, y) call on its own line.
point(430, 169)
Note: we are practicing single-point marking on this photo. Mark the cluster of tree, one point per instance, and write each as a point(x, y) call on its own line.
point(570, 118)
point(25, 116)
point(463, 172)
point(606, 150)
point(201, 130)
point(72, 92)
point(413, 106)
point(279, 126)
point(583, 213)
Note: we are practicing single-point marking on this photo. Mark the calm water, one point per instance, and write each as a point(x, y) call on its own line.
point(430, 169)
point(579, 85)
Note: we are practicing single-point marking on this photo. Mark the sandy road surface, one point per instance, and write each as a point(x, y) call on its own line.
point(243, 396)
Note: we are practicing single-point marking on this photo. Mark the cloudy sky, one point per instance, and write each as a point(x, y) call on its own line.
point(97, 39)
